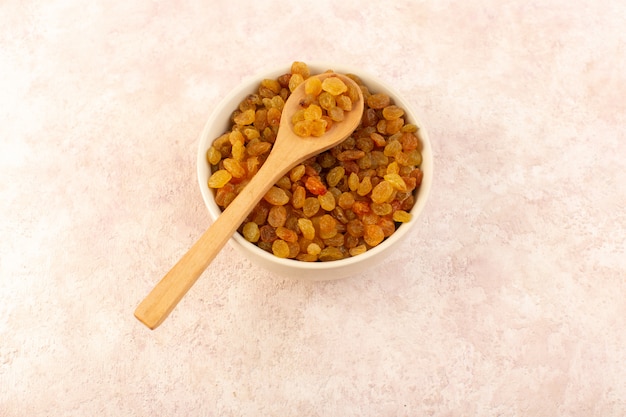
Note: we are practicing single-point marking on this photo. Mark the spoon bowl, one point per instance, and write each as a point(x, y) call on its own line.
point(288, 151)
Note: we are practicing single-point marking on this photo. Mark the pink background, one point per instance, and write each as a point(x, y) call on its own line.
point(509, 299)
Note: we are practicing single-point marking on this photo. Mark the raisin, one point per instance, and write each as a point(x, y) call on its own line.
point(351, 154)
point(373, 234)
point(355, 228)
point(306, 228)
point(335, 175)
point(276, 196)
point(344, 102)
point(283, 80)
point(387, 226)
point(313, 112)
point(382, 192)
point(277, 216)
point(326, 100)
point(313, 249)
point(267, 233)
point(392, 112)
point(239, 151)
point(315, 185)
point(370, 118)
point(327, 201)
point(311, 207)
point(328, 226)
point(251, 232)
point(301, 68)
point(364, 187)
point(298, 197)
point(296, 173)
point(219, 178)
point(234, 167)
point(358, 250)
point(213, 156)
point(378, 101)
point(334, 86)
point(331, 253)
point(286, 234)
point(337, 240)
point(336, 114)
point(394, 126)
point(280, 248)
point(313, 85)
point(381, 209)
point(401, 216)
point(346, 200)
point(318, 127)
point(258, 148)
point(396, 182)
point(295, 81)
point(272, 85)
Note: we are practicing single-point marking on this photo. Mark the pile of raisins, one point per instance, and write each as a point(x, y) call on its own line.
point(335, 205)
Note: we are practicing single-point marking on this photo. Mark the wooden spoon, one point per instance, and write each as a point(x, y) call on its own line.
point(288, 151)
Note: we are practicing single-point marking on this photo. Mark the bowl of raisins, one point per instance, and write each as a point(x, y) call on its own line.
point(338, 213)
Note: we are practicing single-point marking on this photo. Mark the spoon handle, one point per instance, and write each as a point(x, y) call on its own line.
point(159, 303)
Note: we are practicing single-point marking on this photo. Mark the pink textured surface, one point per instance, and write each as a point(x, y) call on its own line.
point(509, 300)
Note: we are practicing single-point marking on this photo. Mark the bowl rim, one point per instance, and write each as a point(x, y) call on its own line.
point(247, 86)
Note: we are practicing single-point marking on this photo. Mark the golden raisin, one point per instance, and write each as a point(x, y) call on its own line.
point(364, 187)
point(315, 185)
point(277, 216)
point(327, 201)
point(358, 250)
point(280, 248)
point(296, 173)
point(238, 151)
point(381, 209)
point(286, 234)
point(392, 112)
point(328, 226)
point(346, 200)
point(219, 178)
point(301, 68)
point(330, 253)
point(336, 114)
point(306, 228)
point(313, 249)
point(272, 85)
point(234, 167)
point(311, 207)
point(303, 128)
point(382, 192)
point(295, 81)
point(378, 101)
point(334, 85)
point(344, 102)
point(313, 112)
point(298, 197)
point(213, 156)
point(401, 216)
point(313, 86)
point(326, 100)
point(335, 175)
point(318, 127)
point(276, 196)
point(251, 232)
point(373, 234)
point(245, 118)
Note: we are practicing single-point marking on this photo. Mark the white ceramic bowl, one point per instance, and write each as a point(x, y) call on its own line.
point(218, 123)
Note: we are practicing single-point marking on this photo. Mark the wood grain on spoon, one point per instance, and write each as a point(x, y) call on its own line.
point(288, 151)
